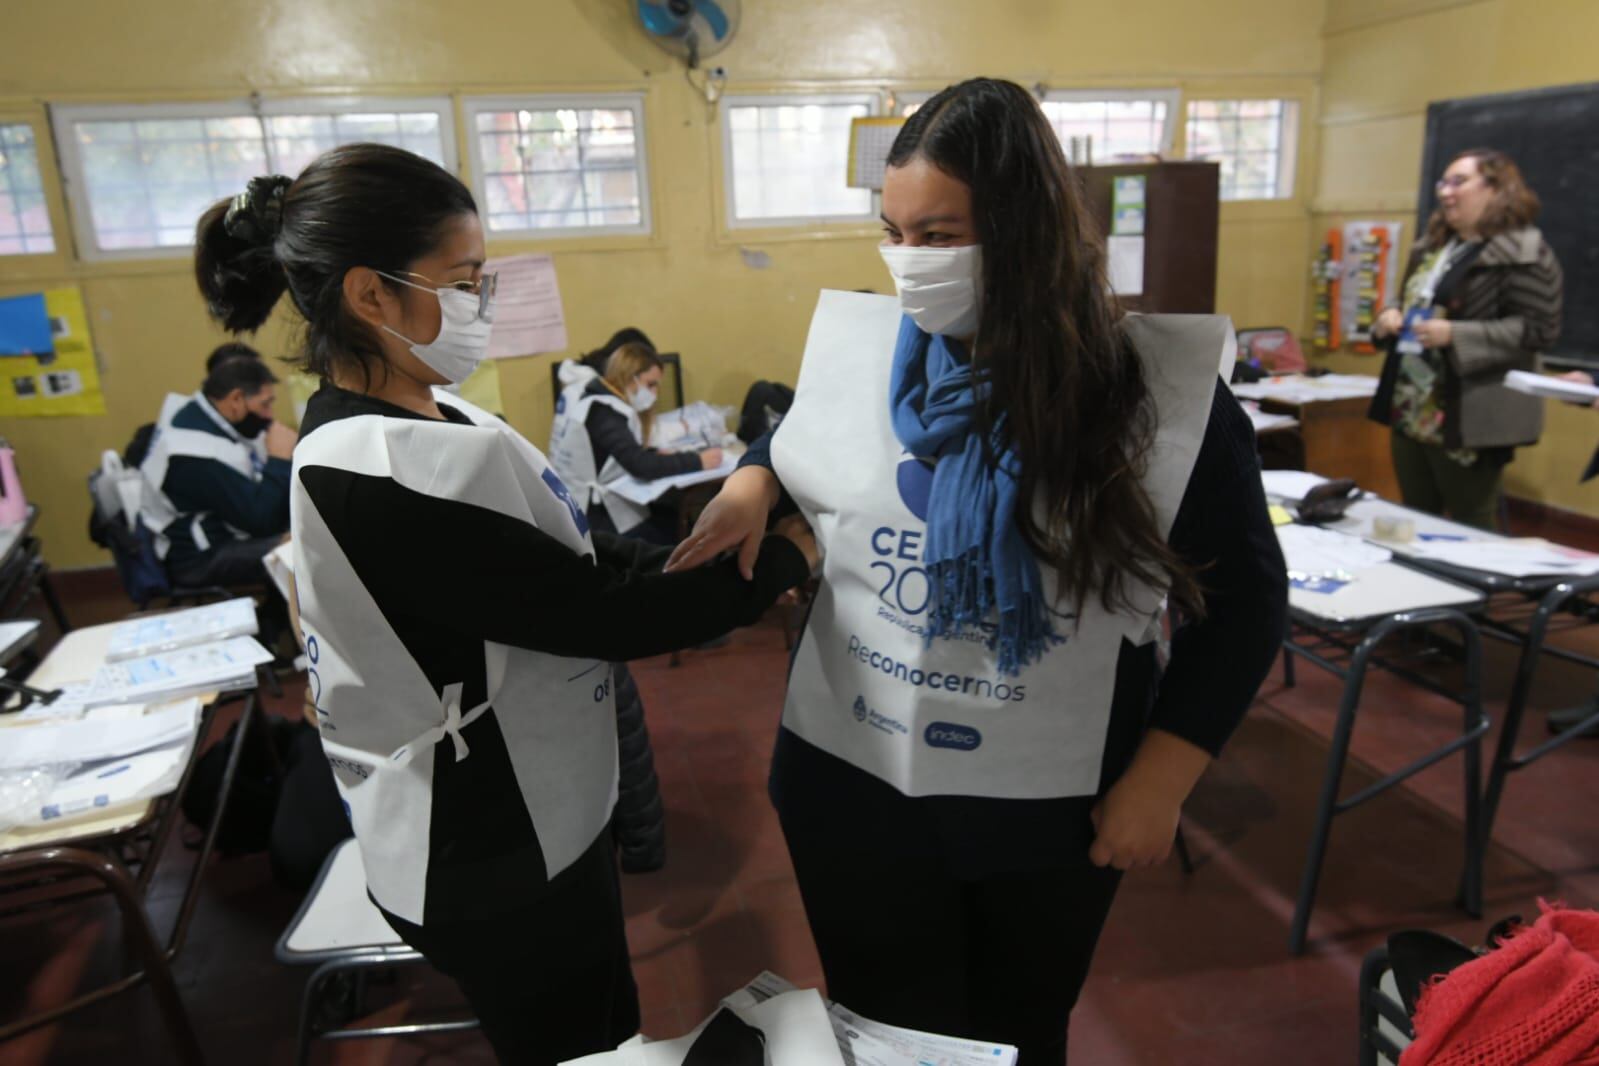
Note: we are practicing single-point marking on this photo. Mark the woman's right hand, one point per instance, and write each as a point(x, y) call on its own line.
point(736, 518)
point(1391, 321)
point(710, 458)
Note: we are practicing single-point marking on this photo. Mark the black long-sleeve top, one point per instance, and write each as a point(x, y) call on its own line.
point(1223, 530)
point(610, 435)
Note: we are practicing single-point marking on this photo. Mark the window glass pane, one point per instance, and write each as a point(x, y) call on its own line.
point(790, 161)
point(1248, 139)
point(1118, 128)
point(560, 168)
point(24, 219)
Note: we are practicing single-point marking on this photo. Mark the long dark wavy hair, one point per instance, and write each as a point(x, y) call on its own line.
point(1513, 206)
point(1064, 386)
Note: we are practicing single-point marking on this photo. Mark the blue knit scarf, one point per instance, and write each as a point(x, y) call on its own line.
point(977, 562)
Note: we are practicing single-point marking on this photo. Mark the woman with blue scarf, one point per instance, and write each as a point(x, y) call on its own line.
point(1012, 483)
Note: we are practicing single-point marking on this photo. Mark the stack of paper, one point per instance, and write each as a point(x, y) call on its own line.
point(222, 666)
point(1298, 388)
point(698, 425)
point(86, 740)
point(1552, 388)
point(795, 1026)
point(1513, 558)
point(181, 629)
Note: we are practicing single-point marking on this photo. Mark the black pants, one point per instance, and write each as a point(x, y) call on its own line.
point(237, 562)
point(1000, 959)
point(552, 981)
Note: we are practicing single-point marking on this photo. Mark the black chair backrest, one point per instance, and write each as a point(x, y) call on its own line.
point(670, 360)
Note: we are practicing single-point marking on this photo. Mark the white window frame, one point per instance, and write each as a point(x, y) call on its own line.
point(874, 107)
point(63, 119)
point(918, 97)
point(472, 106)
point(1172, 98)
point(369, 105)
point(1288, 150)
point(40, 146)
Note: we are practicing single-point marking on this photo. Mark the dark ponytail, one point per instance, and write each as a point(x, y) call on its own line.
point(358, 205)
point(233, 262)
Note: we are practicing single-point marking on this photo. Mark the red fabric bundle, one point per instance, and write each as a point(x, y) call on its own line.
point(1534, 1001)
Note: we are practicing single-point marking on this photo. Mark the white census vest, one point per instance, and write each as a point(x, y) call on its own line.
point(156, 510)
point(572, 450)
point(380, 717)
point(942, 720)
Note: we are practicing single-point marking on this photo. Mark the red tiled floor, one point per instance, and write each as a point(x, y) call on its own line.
point(1191, 969)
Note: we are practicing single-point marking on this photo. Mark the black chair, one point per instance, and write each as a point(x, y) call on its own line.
point(670, 360)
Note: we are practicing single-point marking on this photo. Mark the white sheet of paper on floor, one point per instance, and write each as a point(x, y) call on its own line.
point(181, 629)
point(647, 492)
point(864, 1042)
point(798, 1033)
point(116, 782)
point(222, 666)
point(1514, 558)
point(1292, 485)
point(100, 737)
point(1321, 552)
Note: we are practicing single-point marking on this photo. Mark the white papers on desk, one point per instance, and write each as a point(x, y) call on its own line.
point(1264, 423)
point(181, 629)
point(645, 493)
point(97, 738)
point(116, 782)
point(1291, 485)
point(14, 636)
point(1530, 557)
point(1550, 388)
point(1300, 388)
point(1323, 553)
point(690, 428)
point(528, 317)
point(218, 667)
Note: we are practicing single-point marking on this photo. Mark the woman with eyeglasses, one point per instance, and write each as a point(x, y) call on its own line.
point(1011, 480)
point(458, 616)
point(1481, 296)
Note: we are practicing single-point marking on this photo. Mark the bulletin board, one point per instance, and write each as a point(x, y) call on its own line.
point(59, 382)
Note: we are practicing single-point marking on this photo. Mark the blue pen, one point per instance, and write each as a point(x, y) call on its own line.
point(114, 771)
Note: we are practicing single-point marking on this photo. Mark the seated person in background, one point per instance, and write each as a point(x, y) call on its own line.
point(601, 424)
point(217, 476)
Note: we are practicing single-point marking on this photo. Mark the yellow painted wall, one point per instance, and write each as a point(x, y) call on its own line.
point(1384, 61)
point(687, 285)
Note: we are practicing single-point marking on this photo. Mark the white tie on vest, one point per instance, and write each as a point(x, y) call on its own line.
point(572, 450)
point(865, 685)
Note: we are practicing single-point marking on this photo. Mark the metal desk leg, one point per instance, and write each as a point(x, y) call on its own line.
point(1505, 759)
point(1475, 724)
point(48, 591)
point(114, 876)
point(1337, 755)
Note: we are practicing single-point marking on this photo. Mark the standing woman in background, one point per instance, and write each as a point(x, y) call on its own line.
point(1008, 478)
point(458, 616)
point(1481, 296)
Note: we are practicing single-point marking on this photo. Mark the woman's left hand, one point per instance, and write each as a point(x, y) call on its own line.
point(1434, 332)
point(1133, 826)
point(1136, 821)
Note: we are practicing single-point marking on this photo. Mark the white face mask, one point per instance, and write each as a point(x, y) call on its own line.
point(941, 289)
point(642, 397)
point(463, 340)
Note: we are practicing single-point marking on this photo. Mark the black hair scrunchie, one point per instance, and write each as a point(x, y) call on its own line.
point(256, 214)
